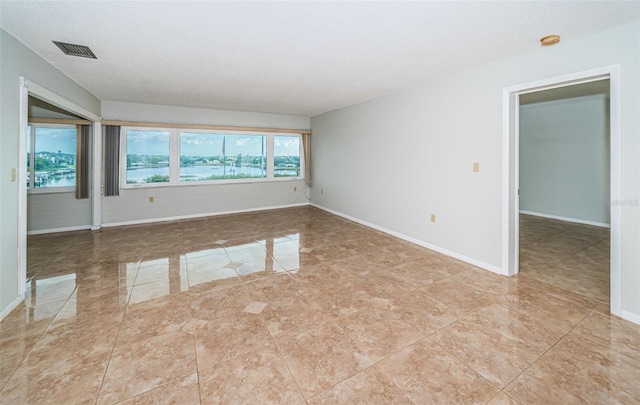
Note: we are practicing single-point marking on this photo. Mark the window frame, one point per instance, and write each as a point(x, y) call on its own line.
point(301, 169)
point(31, 152)
point(123, 157)
point(175, 153)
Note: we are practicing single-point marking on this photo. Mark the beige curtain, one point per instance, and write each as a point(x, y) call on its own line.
point(306, 145)
point(83, 139)
point(111, 160)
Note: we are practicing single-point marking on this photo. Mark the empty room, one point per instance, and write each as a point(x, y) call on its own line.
point(316, 202)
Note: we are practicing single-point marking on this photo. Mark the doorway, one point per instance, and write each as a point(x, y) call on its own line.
point(511, 169)
point(31, 89)
point(564, 175)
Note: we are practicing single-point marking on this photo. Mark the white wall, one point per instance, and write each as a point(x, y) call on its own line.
point(17, 60)
point(57, 212)
point(394, 160)
point(132, 205)
point(564, 158)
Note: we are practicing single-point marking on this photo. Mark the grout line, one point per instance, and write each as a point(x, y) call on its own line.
point(548, 350)
point(284, 360)
point(38, 336)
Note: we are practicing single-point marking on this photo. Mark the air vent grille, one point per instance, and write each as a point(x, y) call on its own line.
point(76, 50)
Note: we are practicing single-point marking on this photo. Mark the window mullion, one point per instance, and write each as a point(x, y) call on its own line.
point(32, 162)
point(174, 156)
point(123, 156)
point(270, 165)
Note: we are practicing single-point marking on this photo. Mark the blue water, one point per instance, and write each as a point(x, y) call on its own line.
point(193, 173)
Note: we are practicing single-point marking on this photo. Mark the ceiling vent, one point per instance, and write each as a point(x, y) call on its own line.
point(76, 50)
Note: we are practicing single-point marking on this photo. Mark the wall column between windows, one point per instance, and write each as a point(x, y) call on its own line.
point(96, 183)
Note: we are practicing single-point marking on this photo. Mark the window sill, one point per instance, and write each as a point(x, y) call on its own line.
point(51, 190)
point(208, 183)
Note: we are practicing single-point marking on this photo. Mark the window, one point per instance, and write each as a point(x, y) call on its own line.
point(156, 157)
point(286, 156)
point(51, 157)
point(212, 156)
point(147, 156)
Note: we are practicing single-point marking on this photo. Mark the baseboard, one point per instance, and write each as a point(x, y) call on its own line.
point(192, 216)
point(478, 263)
point(11, 306)
point(631, 317)
point(566, 219)
point(56, 230)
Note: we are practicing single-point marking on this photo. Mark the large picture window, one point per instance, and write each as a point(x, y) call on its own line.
point(210, 156)
point(51, 157)
point(147, 156)
point(286, 156)
point(165, 156)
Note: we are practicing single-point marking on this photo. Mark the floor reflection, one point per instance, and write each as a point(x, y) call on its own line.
point(300, 306)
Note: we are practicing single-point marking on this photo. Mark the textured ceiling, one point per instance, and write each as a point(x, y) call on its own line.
point(301, 58)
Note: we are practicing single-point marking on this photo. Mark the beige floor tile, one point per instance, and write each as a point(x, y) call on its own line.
point(258, 377)
point(378, 332)
point(219, 302)
point(367, 387)
point(619, 335)
point(147, 364)
point(321, 355)
point(503, 399)
point(430, 375)
point(422, 312)
point(181, 391)
point(155, 317)
point(493, 356)
point(223, 339)
point(578, 370)
point(516, 323)
point(283, 305)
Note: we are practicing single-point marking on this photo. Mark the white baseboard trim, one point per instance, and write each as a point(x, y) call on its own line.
point(56, 230)
point(566, 219)
point(17, 301)
point(208, 214)
point(478, 263)
point(629, 316)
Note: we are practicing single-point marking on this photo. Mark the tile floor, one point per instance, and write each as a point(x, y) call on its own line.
point(298, 306)
point(568, 255)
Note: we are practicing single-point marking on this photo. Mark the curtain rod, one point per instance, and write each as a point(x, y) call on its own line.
point(71, 121)
point(204, 126)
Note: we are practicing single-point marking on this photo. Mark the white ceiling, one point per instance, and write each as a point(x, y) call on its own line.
point(301, 58)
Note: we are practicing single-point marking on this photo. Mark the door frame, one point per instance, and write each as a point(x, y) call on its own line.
point(29, 88)
point(510, 168)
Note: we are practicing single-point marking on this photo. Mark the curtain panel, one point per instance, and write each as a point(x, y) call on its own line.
point(111, 160)
point(83, 140)
point(306, 146)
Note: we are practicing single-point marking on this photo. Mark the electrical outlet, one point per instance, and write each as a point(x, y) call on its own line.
point(476, 167)
point(13, 175)
point(321, 191)
point(433, 218)
point(295, 188)
point(151, 199)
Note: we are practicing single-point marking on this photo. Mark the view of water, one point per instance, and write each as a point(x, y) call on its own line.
point(191, 173)
point(65, 180)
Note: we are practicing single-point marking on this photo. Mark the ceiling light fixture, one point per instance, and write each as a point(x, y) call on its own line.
point(550, 40)
point(75, 50)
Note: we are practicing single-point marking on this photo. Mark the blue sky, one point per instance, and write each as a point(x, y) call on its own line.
point(56, 139)
point(157, 143)
point(199, 144)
